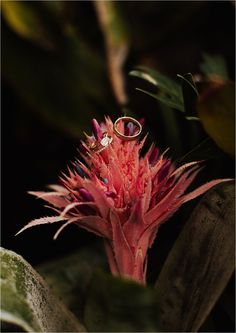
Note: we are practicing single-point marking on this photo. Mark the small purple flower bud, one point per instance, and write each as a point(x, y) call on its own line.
point(80, 171)
point(154, 156)
point(142, 121)
point(97, 130)
point(85, 195)
point(83, 149)
point(110, 194)
point(129, 129)
point(164, 171)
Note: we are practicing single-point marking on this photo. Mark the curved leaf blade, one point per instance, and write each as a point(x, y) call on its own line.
point(199, 265)
point(28, 302)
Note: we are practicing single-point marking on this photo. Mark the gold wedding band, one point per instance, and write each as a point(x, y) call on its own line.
point(127, 120)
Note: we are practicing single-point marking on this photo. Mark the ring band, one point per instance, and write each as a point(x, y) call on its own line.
point(127, 120)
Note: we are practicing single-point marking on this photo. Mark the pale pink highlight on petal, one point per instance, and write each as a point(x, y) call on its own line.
point(42, 220)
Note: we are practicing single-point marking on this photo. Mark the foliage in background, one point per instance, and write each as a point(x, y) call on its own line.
point(214, 106)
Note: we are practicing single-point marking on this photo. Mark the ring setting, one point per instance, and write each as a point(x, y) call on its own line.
point(99, 146)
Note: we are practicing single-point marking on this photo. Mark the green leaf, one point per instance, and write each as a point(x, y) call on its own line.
point(25, 21)
point(27, 302)
point(205, 150)
point(190, 95)
point(165, 100)
point(168, 91)
point(119, 305)
point(216, 109)
point(199, 265)
point(66, 87)
point(214, 66)
point(116, 38)
point(163, 82)
point(69, 277)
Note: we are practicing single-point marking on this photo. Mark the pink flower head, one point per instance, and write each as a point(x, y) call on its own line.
point(120, 195)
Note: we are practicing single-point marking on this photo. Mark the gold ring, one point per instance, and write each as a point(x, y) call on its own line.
point(127, 120)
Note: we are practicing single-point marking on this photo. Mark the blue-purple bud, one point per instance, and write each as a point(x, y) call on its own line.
point(154, 156)
point(85, 195)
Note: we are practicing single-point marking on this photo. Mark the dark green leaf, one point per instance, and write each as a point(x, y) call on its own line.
point(199, 265)
point(66, 87)
point(205, 150)
point(214, 66)
point(190, 95)
point(69, 277)
point(163, 82)
point(119, 305)
point(25, 21)
point(164, 99)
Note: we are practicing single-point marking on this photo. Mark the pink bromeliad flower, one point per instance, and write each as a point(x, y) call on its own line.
point(120, 195)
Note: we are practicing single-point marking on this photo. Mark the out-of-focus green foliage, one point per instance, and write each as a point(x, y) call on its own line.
point(67, 84)
point(116, 39)
point(28, 303)
point(116, 305)
point(168, 91)
point(216, 109)
point(70, 276)
point(199, 265)
point(212, 66)
point(25, 21)
point(214, 106)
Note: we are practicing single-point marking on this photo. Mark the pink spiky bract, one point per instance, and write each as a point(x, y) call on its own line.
point(121, 196)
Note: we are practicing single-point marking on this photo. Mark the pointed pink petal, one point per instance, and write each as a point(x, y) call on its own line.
point(138, 273)
point(76, 204)
point(200, 190)
point(177, 190)
point(123, 254)
point(64, 226)
point(148, 193)
point(54, 198)
point(94, 224)
point(58, 188)
point(134, 226)
point(184, 167)
point(111, 257)
point(99, 198)
point(42, 220)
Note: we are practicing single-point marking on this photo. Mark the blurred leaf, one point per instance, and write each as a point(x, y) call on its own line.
point(199, 265)
point(205, 150)
point(28, 303)
point(69, 277)
point(214, 66)
point(25, 21)
point(165, 100)
point(216, 109)
point(161, 81)
point(190, 95)
point(67, 87)
point(168, 91)
point(119, 305)
point(117, 44)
